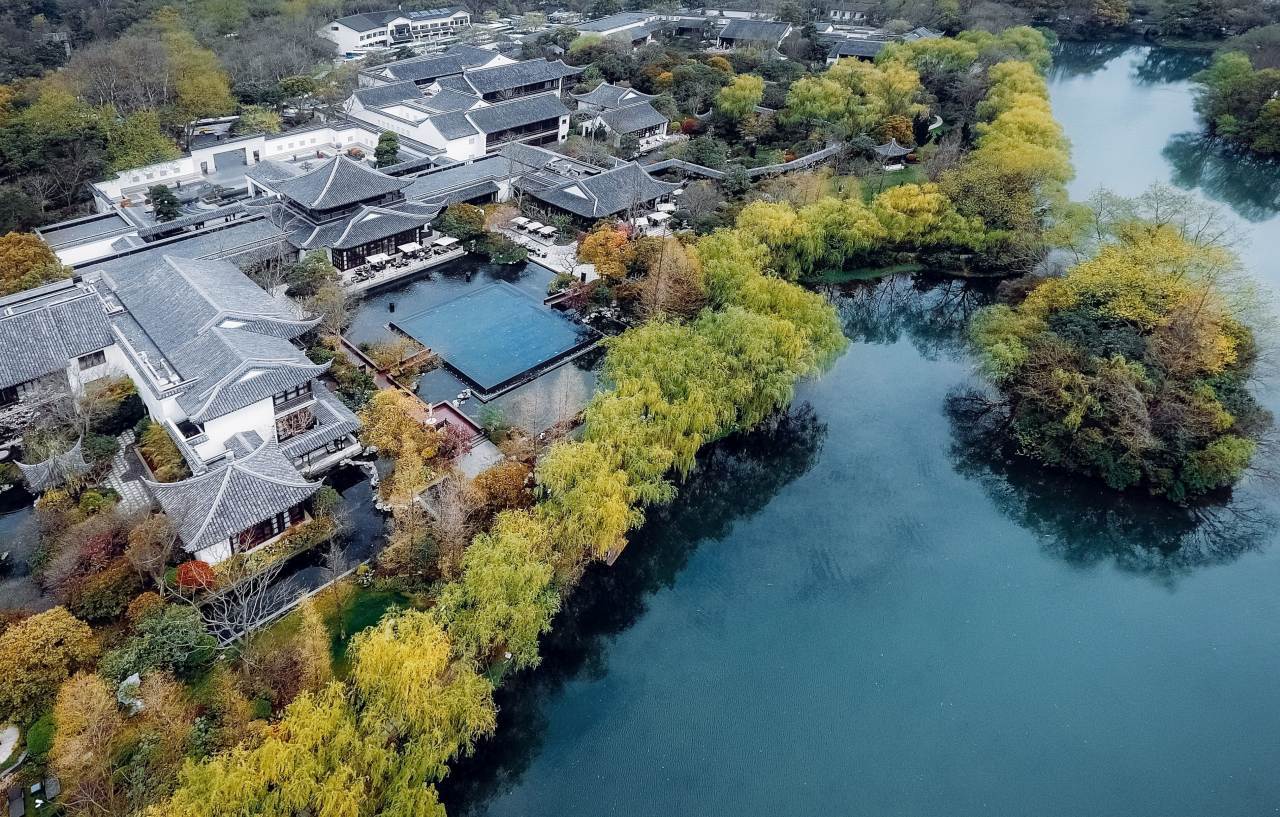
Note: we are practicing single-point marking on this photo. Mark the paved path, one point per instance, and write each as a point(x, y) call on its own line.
point(125, 477)
point(8, 740)
point(555, 257)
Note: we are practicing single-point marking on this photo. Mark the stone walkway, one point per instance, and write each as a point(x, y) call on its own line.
point(555, 257)
point(125, 477)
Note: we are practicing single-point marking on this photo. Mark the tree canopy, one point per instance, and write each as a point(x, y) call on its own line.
point(1133, 366)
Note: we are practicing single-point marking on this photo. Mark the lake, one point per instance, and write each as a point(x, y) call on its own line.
point(862, 610)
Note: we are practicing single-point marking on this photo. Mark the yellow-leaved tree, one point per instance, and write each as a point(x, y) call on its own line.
point(36, 656)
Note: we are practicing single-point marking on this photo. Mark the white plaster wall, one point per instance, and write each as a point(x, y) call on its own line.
point(77, 254)
point(259, 417)
point(115, 365)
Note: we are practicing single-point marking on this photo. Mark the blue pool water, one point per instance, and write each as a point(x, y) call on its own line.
point(494, 334)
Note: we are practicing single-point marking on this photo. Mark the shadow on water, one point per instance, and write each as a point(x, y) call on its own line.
point(735, 478)
point(1246, 183)
point(1084, 523)
point(933, 311)
point(1075, 59)
point(1161, 66)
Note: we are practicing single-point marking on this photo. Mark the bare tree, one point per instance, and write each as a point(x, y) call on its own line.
point(250, 600)
point(456, 510)
point(151, 544)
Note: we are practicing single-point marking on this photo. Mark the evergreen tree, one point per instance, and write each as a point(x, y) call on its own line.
point(388, 150)
point(164, 201)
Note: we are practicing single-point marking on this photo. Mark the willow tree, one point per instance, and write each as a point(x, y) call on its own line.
point(505, 598)
point(738, 99)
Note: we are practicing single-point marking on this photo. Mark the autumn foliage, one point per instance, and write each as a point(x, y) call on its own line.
point(1132, 367)
point(196, 575)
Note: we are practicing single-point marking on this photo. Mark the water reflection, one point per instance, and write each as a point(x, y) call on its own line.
point(735, 478)
point(1084, 523)
point(1248, 184)
point(1074, 59)
point(1161, 66)
point(933, 311)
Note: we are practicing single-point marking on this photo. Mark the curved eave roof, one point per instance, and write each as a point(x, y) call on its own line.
point(214, 506)
point(338, 183)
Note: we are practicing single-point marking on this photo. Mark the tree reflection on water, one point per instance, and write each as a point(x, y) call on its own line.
point(1084, 523)
point(1250, 185)
point(735, 478)
point(933, 311)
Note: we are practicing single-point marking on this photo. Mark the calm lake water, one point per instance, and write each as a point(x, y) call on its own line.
point(862, 611)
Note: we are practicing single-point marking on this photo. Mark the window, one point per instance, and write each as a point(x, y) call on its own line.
point(94, 359)
point(285, 396)
point(9, 395)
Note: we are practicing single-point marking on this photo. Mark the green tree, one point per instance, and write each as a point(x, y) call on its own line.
point(388, 151)
point(1132, 367)
point(462, 221)
point(738, 99)
point(137, 140)
point(26, 262)
point(297, 86)
point(166, 204)
point(256, 119)
point(506, 598)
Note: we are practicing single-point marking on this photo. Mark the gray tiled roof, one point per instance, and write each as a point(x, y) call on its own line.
point(453, 125)
point(856, 48)
point(761, 31)
point(370, 224)
point(619, 20)
point(43, 331)
point(369, 20)
point(338, 182)
point(465, 194)
point(423, 70)
point(333, 421)
point(456, 83)
point(192, 220)
point(517, 112)
point(233, 368)
point(637, 33)
point(390, 94)
point(447, 99)
point(56, 470)
point(632, 118)
point(441, 182)
point(517, 74)
point(83, 228)
point(607, 193)
point(243, 241)
point(921, 33)
point(272, 170)
point(176, 299)
point(606, 95)
point(221, 503)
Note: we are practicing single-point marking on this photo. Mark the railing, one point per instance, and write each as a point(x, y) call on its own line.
point(507, 137)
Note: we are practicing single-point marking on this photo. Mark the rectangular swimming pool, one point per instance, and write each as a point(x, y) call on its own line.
point(494, 335)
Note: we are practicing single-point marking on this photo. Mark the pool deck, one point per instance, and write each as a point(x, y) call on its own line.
point(392, 275)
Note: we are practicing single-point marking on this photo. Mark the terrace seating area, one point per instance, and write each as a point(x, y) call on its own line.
point(409, 259)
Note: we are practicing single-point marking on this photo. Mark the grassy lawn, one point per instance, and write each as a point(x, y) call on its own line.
point(876, 182)
point(361, 611)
